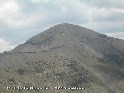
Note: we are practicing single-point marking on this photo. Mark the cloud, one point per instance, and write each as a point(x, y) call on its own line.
point(119, 35)
point(8, 11)
point(106, 3)
point(28, 14)
point(37, 13)
point(5, 46)
point(105, 27)
point(13, 16)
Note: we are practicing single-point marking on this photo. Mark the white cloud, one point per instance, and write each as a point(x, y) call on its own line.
point(10, 6)
point(12, 16)
point(48, 11)
point(5, 46)
point(8, 10)
point(106, 3)
point(105, 26)
point(23, 21)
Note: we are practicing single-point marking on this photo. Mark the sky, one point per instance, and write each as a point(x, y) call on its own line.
point(22, 19)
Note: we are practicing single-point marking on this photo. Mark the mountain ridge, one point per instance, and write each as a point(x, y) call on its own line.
point(84, 37)
point(65, 55)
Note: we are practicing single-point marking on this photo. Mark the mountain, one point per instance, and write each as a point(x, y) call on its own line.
point(66, 58)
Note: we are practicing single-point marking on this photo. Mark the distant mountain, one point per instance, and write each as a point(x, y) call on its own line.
point(65, 58)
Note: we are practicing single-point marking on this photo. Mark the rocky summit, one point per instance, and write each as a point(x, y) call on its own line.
point(66, 58)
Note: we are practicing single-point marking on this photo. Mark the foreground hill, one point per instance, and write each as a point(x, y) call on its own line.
point(66, 56)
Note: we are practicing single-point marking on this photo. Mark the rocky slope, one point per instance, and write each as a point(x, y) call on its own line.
point(64, 56)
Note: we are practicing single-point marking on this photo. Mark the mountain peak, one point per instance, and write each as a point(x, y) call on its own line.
point(77, 38)
point(64, 24)
point(69, 28)
point(65, 55)
point(60, 34)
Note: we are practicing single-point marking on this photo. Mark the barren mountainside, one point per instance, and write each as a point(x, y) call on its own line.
point(66, 56)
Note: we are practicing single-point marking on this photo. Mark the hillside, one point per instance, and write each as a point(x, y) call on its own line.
point(65, 56)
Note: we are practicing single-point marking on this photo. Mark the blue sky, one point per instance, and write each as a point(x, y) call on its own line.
point(22, 19)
